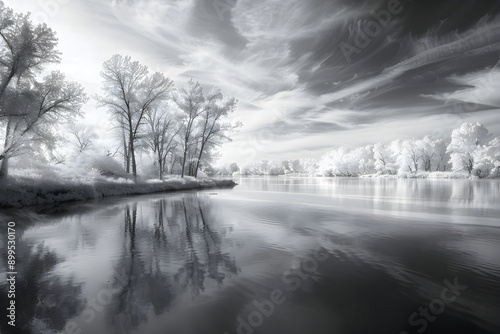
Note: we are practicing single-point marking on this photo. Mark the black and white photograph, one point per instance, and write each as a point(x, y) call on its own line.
point(249, 166)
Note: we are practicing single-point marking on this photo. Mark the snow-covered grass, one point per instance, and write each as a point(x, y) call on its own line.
point(24, 191)
point(450, 175)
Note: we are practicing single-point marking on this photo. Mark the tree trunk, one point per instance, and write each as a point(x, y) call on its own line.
point(172, 166)
point(191, 167)
point(199, 158)
point(126, 155)
point(4, 168)
point(427, 165)
point(7, 80)
point(134, 165)
point(183, 162)
point(160, 166)
point(132, 155)
point(470, 165)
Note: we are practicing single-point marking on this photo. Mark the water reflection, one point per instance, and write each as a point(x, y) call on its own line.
point(442, 198)
point(44, 301)
point(166, 249)
point(179, 232)
point(470, 191)
point(192, 263)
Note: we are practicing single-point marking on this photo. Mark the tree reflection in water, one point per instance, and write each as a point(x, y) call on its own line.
point(175, 261)
point(44, 301)
point(168, 250)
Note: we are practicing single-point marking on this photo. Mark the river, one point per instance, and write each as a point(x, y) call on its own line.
point(273, 255)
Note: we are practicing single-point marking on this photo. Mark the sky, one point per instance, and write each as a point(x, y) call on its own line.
point(310, 76)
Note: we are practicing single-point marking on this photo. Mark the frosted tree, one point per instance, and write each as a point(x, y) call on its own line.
point(441, 156)
point(363, 157)
point(386, 157)
point(82, 137)
point(261, 167)
point(342, 162)
point(212, 125)
point(432, 154)
point(24, 49)
point(381, 156)
point(32, 114)
point(227, 168)
point(300, 166)
point(329, 163)
point(231, 168)
point(410, 157)
point(308, 166)
point(493, 154)
point(348, 162)
point(395, 149)
point(465, 141)
point(161, 134)
point(129, 92)
point(248, 168)
point(29, 109)
point(487, 159)
point(191, 102)
point(275, 167)
point(325, 164)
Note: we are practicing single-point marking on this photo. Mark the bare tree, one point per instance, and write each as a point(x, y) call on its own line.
point(161, 134)
point(24, 48)
point(58, 157)
point(29, 109)
point(212, 128)
point(129, 92)
point(84, 137)
point(33, 113)
point(191, 101)
point(112, 154)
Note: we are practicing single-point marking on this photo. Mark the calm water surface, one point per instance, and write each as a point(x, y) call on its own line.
point(273, 255)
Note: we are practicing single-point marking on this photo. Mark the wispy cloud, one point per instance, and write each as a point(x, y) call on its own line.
point(283, 61)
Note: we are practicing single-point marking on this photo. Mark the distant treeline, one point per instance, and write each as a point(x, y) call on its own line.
point(471, 150)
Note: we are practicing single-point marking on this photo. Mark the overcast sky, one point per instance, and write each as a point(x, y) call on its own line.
point(310, 75)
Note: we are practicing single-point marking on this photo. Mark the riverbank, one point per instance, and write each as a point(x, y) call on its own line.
point(21, 192)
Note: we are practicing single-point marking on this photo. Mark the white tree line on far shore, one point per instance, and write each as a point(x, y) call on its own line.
point(471, 151)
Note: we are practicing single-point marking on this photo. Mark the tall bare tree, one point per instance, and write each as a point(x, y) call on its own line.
point(190, 100)
point(211, 126)
point(29, 109)
point(129, 92)
point(33, 112)
point(161, 135)
point(24, 48)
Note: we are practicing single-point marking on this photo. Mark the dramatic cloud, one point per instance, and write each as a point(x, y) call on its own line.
point(309, 75)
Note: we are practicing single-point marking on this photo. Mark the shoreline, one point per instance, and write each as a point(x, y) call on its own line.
point(23, 193)
point(420, 175)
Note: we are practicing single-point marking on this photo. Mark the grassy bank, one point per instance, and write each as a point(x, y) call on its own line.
point(21, 192)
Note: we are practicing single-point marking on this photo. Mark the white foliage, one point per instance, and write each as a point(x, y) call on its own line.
point(465, 148)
